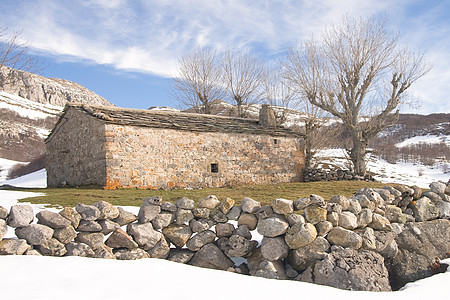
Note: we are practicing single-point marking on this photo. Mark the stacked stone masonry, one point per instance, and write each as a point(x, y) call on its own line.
point(122, 148)
point(376, 240)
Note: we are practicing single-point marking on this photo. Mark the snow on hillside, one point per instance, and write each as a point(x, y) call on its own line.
point(27, 108)
point(425, 139)
point(5, 166)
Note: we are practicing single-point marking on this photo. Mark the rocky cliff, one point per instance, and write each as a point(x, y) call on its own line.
point(49, 90)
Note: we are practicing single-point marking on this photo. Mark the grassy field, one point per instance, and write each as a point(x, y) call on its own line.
point(264, 193)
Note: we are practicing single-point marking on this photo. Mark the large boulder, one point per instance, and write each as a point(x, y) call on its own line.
point(52, 219)
point(274, 248)
point(272, 227)
point(419, 244)
point(144, 235)
point(20, 216)
point(345, 238)
point(300, 234)
point(209, 202)
point(350, 270)
point(35, 234)
point(120, 239)
point(147, 212)
point(210, 256)
point(177, 234)
point(249, 205)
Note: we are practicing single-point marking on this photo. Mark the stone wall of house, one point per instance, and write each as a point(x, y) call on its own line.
point(376, 240)
point(76, 154)
point(165, 158)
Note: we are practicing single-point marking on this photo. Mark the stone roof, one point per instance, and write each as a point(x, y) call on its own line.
point(179, 120)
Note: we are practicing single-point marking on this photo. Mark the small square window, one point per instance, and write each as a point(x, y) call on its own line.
point(214, 168)
point(276, 141)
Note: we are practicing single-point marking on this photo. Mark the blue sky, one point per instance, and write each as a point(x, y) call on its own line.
point(126, 51)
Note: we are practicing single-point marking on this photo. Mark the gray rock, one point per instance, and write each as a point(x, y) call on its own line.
point(89, 226)
point(87, 212)
point(72, 215)
point(218, 216)
point(35, 234)
point(224, 230)
point(3, 213)
point(315, 214)
point(163, 219)
point(264, 212)
point(161, 250)
point(341, 200)
point(274, 248)
point(130, 254)
point(108, 226)
point(380, 223)
point(365, 217)
point(300, 234)
point(32, 252)
point(147, 212)
point(424, 210)
point(237, 246)
point(301, 203)
point(210, 256)
point(201, 212)
point(365, 202)
point(156, 200)
point(348, 220)
point(20, 215)
point(120, 239)
point(107, 210)
point(124, 217)
point(295, 218)
point(323, 228)
point(234, 213)
point(248, 219)
point(249, 205)
point(79, 249)
point(271, 270)
point(272, 227)
point(199, 240)
point(317, 200)
point(386, 244)
point(335, 207)
point(354, 206)
point(183, 216)
point(301, 258)
point(226, 205)
point(394, 214)
point(177, 234)
point(200, 225)
point(144, 235)
point(104, 252)
point(168, 206)
point(209, 202)
point(344, 237)
point(350, 270)
point(291, 273)
point(444, 209)
point(185, 203)
point(333, 218)
point(434, 197)
point(283, 206)
point(3, 228)
point(52, 248)
point(419, 244)
point(52, 219)
point(437, 187)
point(13, 247)
point(93, 239)
point(243, 231)
point(65, 235)
point(182, 256)
point(369, 241)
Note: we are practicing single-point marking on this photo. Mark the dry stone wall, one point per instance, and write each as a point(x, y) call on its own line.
point(166, 158)
point(354, 243)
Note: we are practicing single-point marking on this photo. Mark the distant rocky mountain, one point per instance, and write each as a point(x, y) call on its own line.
point(52, 91)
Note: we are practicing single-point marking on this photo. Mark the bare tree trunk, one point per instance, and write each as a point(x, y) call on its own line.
point(357, 153)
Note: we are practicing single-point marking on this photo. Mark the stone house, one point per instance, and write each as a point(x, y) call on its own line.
point(136, 148)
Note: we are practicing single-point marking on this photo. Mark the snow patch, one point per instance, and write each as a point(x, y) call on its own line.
point(27, 108)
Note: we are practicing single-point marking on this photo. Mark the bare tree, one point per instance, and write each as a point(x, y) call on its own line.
point(244, 77)
point(278, 94)
point(199, 82)
point(14, 55)
point(358, 70)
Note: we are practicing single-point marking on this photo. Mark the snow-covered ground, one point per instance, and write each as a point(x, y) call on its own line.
point(36, 179)
point(426, 139)
point(41, 277)
point(404, 173)
point(27, 108)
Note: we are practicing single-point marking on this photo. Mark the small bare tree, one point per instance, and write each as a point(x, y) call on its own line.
point(14, 55)
point(244, 75)
point(199, 82)
point(358, 70)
